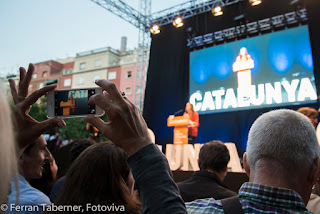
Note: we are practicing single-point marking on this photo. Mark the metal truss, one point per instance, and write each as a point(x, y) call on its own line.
point(125, 12)
point(163, 17)
point(250, 28)
point(187, 9)
point(143, 20)
point(142, 54)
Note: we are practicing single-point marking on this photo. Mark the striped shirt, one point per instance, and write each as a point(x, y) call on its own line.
point(255, 198)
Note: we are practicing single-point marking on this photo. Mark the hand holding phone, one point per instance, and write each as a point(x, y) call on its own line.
point(126, 126)
point(68, 103)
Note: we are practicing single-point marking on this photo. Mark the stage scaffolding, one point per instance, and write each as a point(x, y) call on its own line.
point(252, 28)
point(143, 20)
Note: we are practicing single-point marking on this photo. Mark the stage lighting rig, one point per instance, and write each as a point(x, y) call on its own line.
point(155, 29)
point(177, 22)
point(217, 11)
point(241, 19)
point(255, 2)
point(297, 4)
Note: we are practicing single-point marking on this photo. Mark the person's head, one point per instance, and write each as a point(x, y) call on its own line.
point(311, 113)
point(49, 175)
point(243, 51)
point(189, 107)
point(100, 175)
point(214, 156)
point(70, 97)
point(33, 158)
point(283, 151)
point(78, 146)
point(8, 162)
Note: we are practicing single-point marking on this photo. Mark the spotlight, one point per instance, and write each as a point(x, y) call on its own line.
point(255, 2)
point(178, 22)
point(155, 29)
point(217, 11)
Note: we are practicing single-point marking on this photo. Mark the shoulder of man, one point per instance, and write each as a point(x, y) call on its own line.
point(34, 196)
point(203, 206)
point(227, 192)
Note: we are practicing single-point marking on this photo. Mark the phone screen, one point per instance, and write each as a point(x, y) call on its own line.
point(73, 102)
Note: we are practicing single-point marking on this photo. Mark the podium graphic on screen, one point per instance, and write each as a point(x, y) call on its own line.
point(243, 66)
point(67, 106)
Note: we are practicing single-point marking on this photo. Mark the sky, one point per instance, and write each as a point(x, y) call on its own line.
point(41, 30)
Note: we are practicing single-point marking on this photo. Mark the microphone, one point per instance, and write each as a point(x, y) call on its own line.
point(181, 110)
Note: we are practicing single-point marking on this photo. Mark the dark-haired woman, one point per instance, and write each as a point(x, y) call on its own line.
point(100, 177)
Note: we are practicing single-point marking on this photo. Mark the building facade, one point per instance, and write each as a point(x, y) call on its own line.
point(5, 86)
point(92, 65)
point(47, 72)
point(81, 71)
point(65, 82)
point(128, 74)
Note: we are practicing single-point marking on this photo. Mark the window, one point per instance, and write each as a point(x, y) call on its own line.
point(96, 77)
point(98, 63)
point(67, 82)
point(82, 65)
point(112, 75)
point(40, 85)
point(34, 76)
point(80, 80)
point(66, 71)
point(128, 74)
point(128, 90)
point(44, 74)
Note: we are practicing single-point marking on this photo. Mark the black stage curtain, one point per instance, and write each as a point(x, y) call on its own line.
point(167, 88)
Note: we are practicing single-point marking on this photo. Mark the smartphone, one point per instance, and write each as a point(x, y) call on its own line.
point(68, 103)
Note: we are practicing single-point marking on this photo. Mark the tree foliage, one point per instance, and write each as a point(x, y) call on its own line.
point(75, 128)
point(38, 110)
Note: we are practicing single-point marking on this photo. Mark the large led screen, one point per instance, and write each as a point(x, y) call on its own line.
point(274, 69)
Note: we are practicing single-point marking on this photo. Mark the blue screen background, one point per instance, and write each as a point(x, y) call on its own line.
point(278, 56)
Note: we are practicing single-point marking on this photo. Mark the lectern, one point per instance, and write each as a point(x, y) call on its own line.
point(66, 106)
point(180, 132)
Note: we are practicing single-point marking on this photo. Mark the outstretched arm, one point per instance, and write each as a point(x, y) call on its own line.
point(128, 130)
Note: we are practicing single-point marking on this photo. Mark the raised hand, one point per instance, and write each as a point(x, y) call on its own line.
point(126, 126)
point(28, 129)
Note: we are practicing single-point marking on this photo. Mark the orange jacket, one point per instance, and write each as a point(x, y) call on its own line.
point(193, 131)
